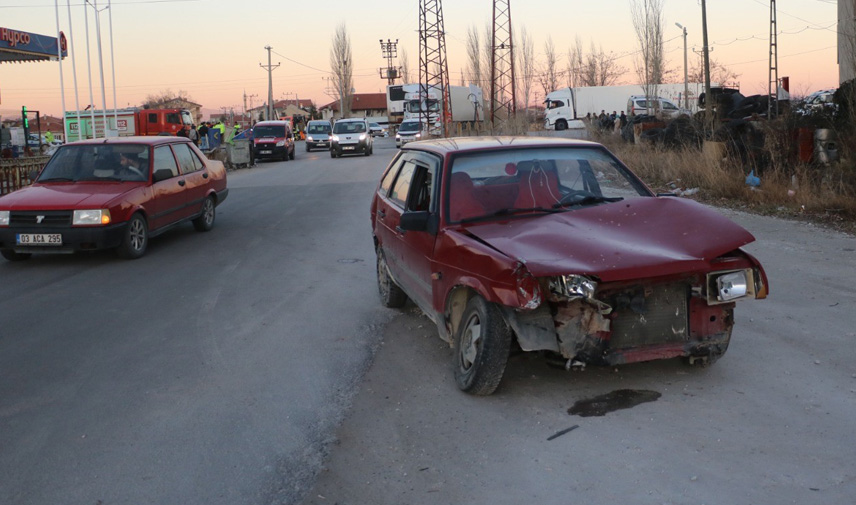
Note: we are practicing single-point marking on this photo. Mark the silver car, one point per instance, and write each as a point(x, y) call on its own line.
point(318, 134)
point(351, 136)
point(409, 131)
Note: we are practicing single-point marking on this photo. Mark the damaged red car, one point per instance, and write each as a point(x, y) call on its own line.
point(556, 245)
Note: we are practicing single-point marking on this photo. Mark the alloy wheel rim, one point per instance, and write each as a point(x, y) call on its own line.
point(138, 236)
point(470, 342)
point(209, 212)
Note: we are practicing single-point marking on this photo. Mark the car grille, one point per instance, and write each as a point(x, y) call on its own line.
point(49, 218)
point(650, 315)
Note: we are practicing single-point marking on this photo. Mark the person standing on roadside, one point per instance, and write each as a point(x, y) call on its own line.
point(182, 132)
point(193, 135)
point(203, 136)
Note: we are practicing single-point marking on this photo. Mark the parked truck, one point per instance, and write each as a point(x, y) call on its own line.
point(567, 106)
point(410, 101)
point(126, 122)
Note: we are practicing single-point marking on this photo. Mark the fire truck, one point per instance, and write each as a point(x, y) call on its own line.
point(125, 122)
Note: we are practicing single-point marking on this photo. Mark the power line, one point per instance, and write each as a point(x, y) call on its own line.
point(130, 2)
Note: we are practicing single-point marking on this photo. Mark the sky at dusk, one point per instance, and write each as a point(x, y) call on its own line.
point(212, 48)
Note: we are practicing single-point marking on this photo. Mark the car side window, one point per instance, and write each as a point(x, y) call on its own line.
point(386, 182)
point(185, 158)
point(422, 190)
point(173, 118)
point(400, 188)
point(164, 159)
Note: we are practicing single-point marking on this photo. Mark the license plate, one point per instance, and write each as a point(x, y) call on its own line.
point(322, 144)
point(38, 239)
point(265, 152)
point(348, 148)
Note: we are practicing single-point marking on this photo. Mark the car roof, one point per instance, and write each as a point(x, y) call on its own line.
point(273, 122)
point(469, 144)
point(151, 140)
point(351, 119)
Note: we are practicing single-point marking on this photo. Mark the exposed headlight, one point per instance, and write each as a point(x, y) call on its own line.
point(334, 138)
point(363, 136)
point(281, 143)
point(90, 217)
point(397, 136)
point(572, 286)
point(731, 286)
point(309, 138)
point(418, 135)
point(4, 218)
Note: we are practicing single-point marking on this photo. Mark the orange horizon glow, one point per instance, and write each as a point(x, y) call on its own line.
point(213, 50)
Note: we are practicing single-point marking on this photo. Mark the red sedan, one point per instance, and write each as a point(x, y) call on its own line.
point(112, 194)
point(554, 244)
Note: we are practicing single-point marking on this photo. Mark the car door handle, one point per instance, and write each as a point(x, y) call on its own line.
point(381, 213)
point(181, 182)
point(204, 175)
point(400, 231)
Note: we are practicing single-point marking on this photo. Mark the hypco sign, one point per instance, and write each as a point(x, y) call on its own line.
point(14, 37)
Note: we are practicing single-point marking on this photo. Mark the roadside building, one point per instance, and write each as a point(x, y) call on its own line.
point(369, 105)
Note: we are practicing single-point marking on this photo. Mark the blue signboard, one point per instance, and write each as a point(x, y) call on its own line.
point(21, 46)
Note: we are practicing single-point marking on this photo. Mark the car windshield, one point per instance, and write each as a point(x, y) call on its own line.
point(318, 128)
point(409, 127)
point(541, 180)
point(98, 162)
point(374, 125)
point(349, 127)
point(268, 131)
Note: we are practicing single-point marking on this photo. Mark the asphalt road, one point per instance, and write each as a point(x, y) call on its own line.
point(255, 365)
point(211, 371)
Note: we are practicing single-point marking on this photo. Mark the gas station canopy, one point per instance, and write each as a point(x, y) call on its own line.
point(17, 46)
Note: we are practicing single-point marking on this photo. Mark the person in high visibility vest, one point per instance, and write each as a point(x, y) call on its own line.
point(49, 137)
point(221, 129)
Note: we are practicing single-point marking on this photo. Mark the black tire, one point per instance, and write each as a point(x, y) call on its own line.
point(367, 151)
point(561, 125)
point(136, 239)
point(391, 295)
point(11, 255)
point(307, 148)
point(480, 348)
point(293, 152)
point(205, 221)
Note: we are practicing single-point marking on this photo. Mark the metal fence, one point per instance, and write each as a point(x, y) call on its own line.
point(14, 173)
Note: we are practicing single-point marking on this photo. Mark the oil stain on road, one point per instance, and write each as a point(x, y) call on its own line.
point(610, 402)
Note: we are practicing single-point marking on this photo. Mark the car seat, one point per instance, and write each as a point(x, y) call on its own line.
point(462, 199)
point(539, 186)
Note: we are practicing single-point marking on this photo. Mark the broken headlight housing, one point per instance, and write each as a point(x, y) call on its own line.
point(724, 287)
point(572, 286)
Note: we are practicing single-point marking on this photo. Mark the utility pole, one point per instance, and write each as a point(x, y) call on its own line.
point(686, 80)
point(433, 67)
point(269, 67)
point(389, 50)
point(773, 86)
point(708, 100)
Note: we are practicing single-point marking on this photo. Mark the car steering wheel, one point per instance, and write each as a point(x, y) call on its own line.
point(574, 194)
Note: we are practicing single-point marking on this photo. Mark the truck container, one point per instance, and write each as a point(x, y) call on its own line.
point(126, 122)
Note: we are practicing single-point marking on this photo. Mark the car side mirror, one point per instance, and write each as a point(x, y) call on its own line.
point(162, 175)
point(419, 221)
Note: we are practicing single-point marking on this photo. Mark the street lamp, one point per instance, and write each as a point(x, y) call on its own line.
point(686, 85)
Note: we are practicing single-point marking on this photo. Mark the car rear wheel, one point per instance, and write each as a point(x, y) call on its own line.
point(205, 221)
point(14, 256)
point(390, 294)
point(481, 347)
point(136, 239)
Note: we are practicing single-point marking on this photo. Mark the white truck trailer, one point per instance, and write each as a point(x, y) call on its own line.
point(408, 101)
point(567, 106)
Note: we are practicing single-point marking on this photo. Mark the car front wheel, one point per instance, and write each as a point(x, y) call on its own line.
point(481, 347)
point(205, 221)
point(390, 294)
point(135, 240)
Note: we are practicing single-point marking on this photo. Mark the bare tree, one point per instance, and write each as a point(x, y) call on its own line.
point(719, 73)
point(602, 69)
point(166, 96)
point(405, 67)
point(548, 76)
point(525, 66)
point(474, 56)
point(342, 66)
point(648, 23)
point(575, 64)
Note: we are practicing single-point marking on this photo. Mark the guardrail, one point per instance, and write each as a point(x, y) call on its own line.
point(14, 172)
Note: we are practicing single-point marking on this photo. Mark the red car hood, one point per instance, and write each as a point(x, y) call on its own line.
point(645, 237)
point(64, 196)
